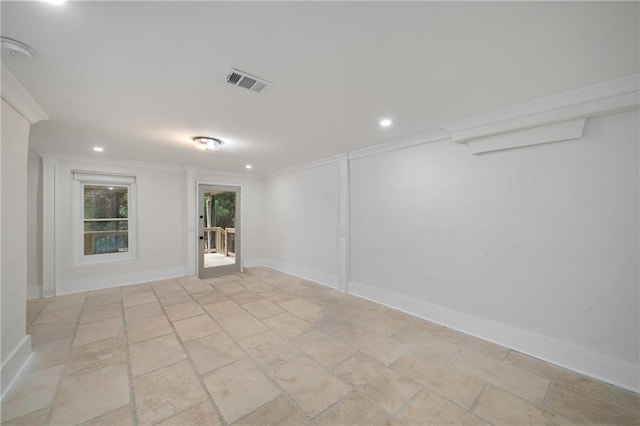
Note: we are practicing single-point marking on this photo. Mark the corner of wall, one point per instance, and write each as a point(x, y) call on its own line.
point(14, 364)
point(328, 280)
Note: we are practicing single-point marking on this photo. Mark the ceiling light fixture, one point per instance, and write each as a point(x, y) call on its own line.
point(248, 166)
point(207, 144)
point(16, 48)
point(56, 2)
point(385, 122)
point(98, 149)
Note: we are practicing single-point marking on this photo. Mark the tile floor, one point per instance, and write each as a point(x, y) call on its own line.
point(265, 348)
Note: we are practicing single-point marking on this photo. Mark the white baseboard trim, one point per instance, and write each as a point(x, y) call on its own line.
point(328, 280)
point(14, 364)
point(117, 280)
point(252, 261)
point(603, 367)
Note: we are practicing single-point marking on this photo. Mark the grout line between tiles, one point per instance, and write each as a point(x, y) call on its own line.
point(132, 394)
point(191, 363)
point(451, 362)
point(65, 368)
point(478, 398)
point(266, 374)
point(545, 404)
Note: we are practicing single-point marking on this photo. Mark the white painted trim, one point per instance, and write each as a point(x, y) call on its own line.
point(110, 281)
point(15, 363)
point(252, 262)
point(600, 366)
point(567, 130)
point(106, 161)
point(17, 96)
point(344, 226)
point(434, 136)
point(310, 165)
point(102, 161)
point(328, 280)
point(227, 173)
point(601, 99)
point(197, 201)
point(48, 226)
point(191, 200)
point(79, 180)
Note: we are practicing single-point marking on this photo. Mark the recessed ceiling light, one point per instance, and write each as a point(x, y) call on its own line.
point(56, 2)
point(98, 149)
point(207, 144)
point(386, 122)
point(248, 166)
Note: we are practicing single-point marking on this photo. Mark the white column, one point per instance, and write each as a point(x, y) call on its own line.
point(344, 224)
point(191, 191)
point(48, 226)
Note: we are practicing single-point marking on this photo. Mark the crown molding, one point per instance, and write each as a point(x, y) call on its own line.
point(605, 98)
point(434, 136)
point(53, 156)
point(335, 159)
point(17, 96)
point(213, 172)
point(108, 161)
point(558, 132)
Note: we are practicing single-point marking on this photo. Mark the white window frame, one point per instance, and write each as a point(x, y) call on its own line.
point(80, 179)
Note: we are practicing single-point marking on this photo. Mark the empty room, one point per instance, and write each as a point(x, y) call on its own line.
point(320, 213)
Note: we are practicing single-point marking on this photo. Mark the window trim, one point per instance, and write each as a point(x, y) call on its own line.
point(80, 179)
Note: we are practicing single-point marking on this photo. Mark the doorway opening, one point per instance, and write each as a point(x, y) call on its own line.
point(219, 240)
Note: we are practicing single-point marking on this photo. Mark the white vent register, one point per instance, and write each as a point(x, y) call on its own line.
point(246, 80)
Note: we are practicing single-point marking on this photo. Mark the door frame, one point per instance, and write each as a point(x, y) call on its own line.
point(239, 224)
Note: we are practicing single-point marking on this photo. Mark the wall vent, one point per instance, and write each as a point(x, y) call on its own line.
point(246, 80)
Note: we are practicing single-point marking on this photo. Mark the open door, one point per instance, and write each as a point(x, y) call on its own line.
point(219, 225)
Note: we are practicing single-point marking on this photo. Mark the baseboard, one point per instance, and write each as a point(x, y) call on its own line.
point(34, 291)
point(117, 280)
point(252, 261)
point(14, 364)
point(329, 280)
point(603, 367)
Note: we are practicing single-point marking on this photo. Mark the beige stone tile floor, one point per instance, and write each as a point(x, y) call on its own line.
point(265, 348)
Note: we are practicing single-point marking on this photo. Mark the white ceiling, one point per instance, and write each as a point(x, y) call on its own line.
point(141, 78)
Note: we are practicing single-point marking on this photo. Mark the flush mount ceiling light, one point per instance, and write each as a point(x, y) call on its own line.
point(207, 144)
point(15, 48)
point(385, 122)
point(248, 166)
point(98, 149)
point(56, 2)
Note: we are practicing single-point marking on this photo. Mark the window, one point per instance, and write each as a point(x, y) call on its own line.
point(105, 220)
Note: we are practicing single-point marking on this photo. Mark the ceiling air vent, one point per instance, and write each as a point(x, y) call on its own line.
point(248, 81)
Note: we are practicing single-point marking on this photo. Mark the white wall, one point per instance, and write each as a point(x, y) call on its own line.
point(543, 239)
point(34, 226)
point(302, 225)
point(16, 345)
point(161, 231)
point(162, 225)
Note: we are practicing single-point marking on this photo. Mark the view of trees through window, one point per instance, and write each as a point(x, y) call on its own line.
point(225, 210)
point(220, 219)
point(106, 219)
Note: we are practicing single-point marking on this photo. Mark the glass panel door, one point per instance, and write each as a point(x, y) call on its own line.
point(219, 239)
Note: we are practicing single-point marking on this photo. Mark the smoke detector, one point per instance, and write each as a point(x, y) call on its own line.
point(15, 48)
point(246, 80)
